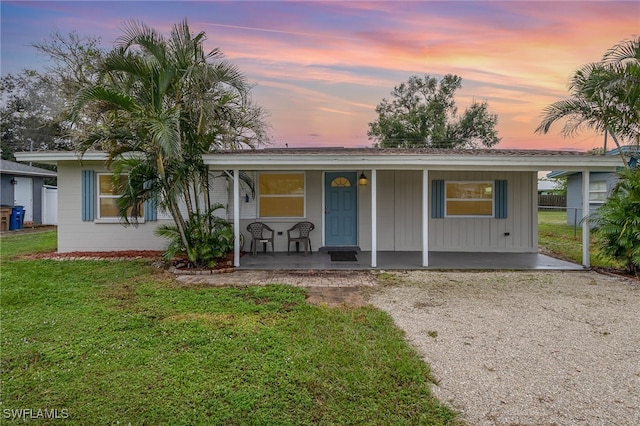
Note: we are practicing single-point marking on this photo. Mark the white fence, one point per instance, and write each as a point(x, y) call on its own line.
point(49, 205)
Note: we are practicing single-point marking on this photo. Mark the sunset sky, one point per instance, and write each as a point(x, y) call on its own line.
point(321, 67)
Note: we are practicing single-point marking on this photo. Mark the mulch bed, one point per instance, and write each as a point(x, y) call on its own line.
point(97, 255)
point(177, 266)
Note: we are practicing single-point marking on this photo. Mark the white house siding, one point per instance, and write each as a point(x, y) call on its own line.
point(488, 234)
point(386, 201)
point(364, 212)
point(408, 210)
point(313, 213)
point(399, 218)
point(74, 234)
point(222, 192)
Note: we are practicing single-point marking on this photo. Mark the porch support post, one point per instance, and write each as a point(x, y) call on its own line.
point(585, 222)
point(374, 219)
point(425, 218)
point(236, 217)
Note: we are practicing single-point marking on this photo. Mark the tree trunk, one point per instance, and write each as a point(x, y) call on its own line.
point(615, 140)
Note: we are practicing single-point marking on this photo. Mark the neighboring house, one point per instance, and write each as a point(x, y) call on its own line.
point(417, 200)
point(546, 187)
point(600, 185)
point(23, 185)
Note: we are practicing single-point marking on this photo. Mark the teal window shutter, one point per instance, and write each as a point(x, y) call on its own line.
point(501, 199)
point(88, 195)
point(437, 198)
point(150, 210)
point(150, 207)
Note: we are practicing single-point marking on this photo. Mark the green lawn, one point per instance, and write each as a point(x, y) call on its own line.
point(565, 242)
point(119, 342)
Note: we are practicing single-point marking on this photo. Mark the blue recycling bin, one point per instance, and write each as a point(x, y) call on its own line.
point(16, 218)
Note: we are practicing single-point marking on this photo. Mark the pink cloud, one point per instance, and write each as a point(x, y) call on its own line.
point(321, 67)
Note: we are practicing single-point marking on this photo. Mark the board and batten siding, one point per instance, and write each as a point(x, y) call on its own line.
point(74, 234)
point(399, 210)
point(399, 218)
point(515, 233)
point(399, 215)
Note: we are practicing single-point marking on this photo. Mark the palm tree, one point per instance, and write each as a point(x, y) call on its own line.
point(605, 96)
point(617, 221)
point(164, 102)
point(624, 82)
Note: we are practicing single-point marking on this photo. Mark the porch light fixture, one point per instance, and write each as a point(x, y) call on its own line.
point(13, 181)
point(362, 180)
point(246, 198)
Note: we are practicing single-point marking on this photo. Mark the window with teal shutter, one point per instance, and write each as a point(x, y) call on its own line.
point(437, 199)
point(469, 205)
point(150, 210)
point(150, 207)
point(88, 195)
point(501, 199)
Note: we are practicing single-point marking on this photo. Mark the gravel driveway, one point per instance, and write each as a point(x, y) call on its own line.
point(524, 348)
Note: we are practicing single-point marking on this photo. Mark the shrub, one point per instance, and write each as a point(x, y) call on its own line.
point(210, 239)
point(617, 221)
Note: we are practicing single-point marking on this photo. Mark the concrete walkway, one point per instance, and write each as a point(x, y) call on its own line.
point(338, 283)
point(330, 288)
point(297, 278)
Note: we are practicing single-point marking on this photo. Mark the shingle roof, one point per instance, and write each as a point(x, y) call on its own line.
point(405, 151)
point(13, 168)
point(336, 158)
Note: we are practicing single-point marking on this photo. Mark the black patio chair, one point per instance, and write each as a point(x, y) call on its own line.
point(260, 233)
point(303, 229)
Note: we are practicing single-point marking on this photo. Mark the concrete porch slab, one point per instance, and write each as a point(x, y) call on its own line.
point(410, 260)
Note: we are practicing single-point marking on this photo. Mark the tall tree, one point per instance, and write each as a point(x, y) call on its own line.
point(604, 96)
point(31, 114)
point(34, 103)
point(166, 101)
point(73, 60)
point(422, 113)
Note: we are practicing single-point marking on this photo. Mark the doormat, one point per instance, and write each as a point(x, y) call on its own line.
point(343, 256)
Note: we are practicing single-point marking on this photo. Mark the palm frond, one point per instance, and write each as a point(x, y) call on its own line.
point(111, 100)
point(624, 51)
point(165, 133)
point(138, 34)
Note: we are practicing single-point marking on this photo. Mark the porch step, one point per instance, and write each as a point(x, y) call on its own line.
point(326, 249)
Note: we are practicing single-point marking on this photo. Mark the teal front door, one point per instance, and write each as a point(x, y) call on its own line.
point(341, 209)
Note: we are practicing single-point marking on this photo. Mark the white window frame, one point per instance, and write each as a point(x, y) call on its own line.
point(304, 195)
point(597, 191)
point(484, 182)
point(99, 196)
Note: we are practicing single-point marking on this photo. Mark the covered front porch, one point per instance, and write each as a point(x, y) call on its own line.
point(434, 209)
point(407, 260)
